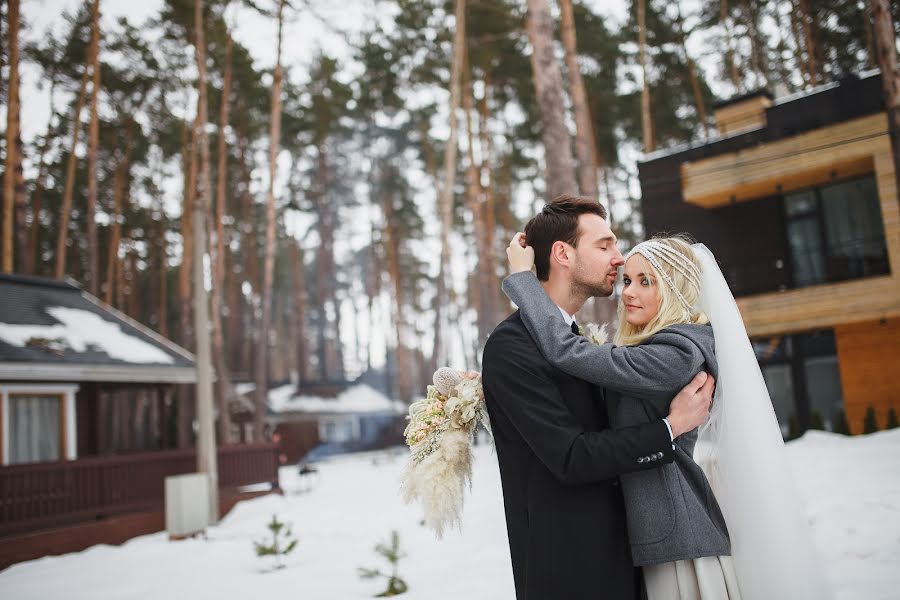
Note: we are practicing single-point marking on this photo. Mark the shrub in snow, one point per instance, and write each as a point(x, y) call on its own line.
point(870, 422)
point(816, 421)
point(840, 423)
point(892, 419)
point(392, 554)
point(283, 542)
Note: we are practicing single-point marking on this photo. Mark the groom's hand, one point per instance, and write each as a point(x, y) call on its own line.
point(690, 407)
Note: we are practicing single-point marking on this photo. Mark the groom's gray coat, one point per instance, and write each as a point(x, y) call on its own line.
point(672, 513)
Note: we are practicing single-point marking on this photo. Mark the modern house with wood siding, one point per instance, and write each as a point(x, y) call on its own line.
point(797, 198)
point(87, 415)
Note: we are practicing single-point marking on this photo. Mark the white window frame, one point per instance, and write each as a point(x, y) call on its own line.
point(339, 421)
point(66, 391)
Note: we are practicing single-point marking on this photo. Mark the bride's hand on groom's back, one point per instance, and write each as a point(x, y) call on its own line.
point(690, 407)
point(520, 255)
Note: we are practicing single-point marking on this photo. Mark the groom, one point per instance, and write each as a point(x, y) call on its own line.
point(559, 460)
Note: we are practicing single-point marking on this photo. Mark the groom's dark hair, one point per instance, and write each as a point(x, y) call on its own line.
point(558, 222)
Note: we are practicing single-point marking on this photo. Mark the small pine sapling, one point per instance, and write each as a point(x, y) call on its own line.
point(870, 422)
point(892, 419)
point(283, 542)
point(392, 554)
point(840, 423)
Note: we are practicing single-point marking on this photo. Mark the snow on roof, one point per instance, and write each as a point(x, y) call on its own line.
point(357, 399)
point(79, 330)
point(244, 388)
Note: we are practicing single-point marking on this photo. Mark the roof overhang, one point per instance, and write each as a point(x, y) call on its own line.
point(12, 371)
point(842, 150)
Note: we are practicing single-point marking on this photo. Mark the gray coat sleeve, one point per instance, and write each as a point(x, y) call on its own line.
point(665, 364)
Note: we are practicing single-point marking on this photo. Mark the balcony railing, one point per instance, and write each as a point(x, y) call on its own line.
point(40, 495)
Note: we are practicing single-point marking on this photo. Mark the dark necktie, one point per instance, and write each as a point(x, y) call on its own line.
point(575, 328)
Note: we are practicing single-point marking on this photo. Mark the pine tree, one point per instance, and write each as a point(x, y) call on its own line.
point(396, 585)
point(260, 374)
point(870, 422)
point(282, 544)
point(816, 421)
point(840, 423)
point(892, 419)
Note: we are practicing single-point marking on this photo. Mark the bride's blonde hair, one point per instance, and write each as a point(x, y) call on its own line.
point(674, 265)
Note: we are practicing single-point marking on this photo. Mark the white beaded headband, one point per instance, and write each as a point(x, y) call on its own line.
point(655, 251)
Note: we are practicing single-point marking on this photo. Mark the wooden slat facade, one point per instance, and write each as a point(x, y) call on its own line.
point(869, 359)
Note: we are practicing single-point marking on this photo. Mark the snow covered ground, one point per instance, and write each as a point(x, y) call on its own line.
point(852, 486)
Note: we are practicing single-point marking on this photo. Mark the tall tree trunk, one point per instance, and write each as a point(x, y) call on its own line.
point(162, 312)
point(329, 340)
point(207, 456)
point(402, 355)
point(445, 194)
point(37, 197)
point(730, 53)
point(437, 304)
point(692, 70)
point(757, 58)
point(299, 313)
point(189, 164)
point(112, 263)
point(373, 287)
point(12, 122)
point(185, 392)
point(585, 143)
point(871, 52)
point(93, 274)
point(224, 391)
point(234, 341)
point(269, 261)
point(800, 45)
point(886, 43)
point(646, 114)
point(484, 290)
point(250, 255)
point(66, 206)
point(809, 36)
point(488, 211)
point(560, 178)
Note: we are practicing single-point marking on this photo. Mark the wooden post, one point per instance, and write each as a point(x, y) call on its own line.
point(886, 45)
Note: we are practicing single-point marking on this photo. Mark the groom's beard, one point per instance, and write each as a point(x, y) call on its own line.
point(588, 285)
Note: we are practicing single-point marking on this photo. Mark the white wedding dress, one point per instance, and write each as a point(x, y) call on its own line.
point(705, 578)
point(741, 450)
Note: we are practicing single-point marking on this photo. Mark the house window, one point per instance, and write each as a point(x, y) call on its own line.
point(38, 423)
point(803, 379)
point(35, 428)
point(338, 429)
point(835, 232)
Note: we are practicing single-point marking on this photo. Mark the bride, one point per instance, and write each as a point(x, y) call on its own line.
point(733, 529)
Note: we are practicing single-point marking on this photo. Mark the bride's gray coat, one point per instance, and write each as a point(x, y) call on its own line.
point(559, 466)
point(671, 511)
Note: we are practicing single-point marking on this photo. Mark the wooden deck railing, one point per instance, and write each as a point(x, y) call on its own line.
point(39, 495)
